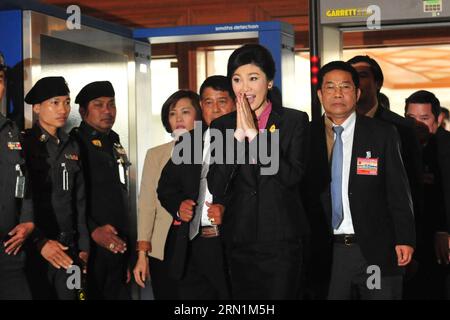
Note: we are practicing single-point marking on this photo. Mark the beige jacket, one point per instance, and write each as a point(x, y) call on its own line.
point(153, 220)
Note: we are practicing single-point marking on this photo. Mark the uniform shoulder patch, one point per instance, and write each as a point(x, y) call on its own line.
point(97, 143)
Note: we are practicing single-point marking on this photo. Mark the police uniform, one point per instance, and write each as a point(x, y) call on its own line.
point(59, 198)
point(16, 207)
point(106, 173)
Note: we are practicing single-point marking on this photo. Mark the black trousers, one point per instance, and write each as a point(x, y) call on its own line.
point(349, 277)
point(13, 282)
point(47, 282)
point(429, 281)
point(447, 284)
point(107, 273)
point(205, 276)
point(266, 270)
point(164, 287)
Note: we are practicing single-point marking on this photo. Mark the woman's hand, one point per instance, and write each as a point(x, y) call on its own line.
point(141, 269)
point(239, 133)
point(246, 126)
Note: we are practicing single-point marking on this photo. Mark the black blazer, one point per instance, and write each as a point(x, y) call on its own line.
point(411, 153)
point(443, 154)
point(263, 207)
point(179, 182)
point(380, 205)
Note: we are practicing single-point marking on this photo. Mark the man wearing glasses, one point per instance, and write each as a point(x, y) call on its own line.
point(360, 193)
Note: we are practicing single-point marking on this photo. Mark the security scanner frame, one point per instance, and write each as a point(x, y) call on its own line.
point(334, 17)
point(278, 37)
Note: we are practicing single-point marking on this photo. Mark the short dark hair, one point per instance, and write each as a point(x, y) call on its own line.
point(423, 96)
point(374, 66)
point(2, 63)
point(252, 54)
point(219, 83)
point(338, 65)
point(383, 100)
point(445, 112)
point(173, 99)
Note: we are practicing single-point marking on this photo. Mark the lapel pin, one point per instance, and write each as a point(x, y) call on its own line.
point(272, 128)
point(42, 138)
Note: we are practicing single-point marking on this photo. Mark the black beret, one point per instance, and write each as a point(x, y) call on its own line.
point(47, 88)
point(93, 91)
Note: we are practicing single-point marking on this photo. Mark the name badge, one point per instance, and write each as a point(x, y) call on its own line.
point(14, 146)
point(71, 157)
point(367, 166)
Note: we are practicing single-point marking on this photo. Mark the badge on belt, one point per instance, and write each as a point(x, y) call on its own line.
point(367, 166)
point(14, 146)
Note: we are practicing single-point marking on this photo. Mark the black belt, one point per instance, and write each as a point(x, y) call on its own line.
point(347, 239)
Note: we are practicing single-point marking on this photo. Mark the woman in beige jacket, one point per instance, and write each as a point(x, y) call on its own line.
point(155, 225)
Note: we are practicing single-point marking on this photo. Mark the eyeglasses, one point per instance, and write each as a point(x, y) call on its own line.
point(331, 87)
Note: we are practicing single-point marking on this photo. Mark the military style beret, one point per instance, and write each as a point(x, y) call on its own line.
point(93, 91)
point(47, 88)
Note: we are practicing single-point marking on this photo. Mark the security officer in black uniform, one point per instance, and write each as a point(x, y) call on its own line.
point(53, 159)
point(106, 171)
point(16, 214)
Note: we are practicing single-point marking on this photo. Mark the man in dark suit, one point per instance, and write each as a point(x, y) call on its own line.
point(445, 124)
point(199, 263)
point(433, 252)
point(371, 81)
point(360, 194)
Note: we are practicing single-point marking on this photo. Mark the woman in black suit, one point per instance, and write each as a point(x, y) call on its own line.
point(264, 220)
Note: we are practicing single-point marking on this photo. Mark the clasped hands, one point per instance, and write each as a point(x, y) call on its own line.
point(245, 125)
point(187, 209)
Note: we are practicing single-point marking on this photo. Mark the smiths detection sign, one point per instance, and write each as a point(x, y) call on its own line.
point(237, 27)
